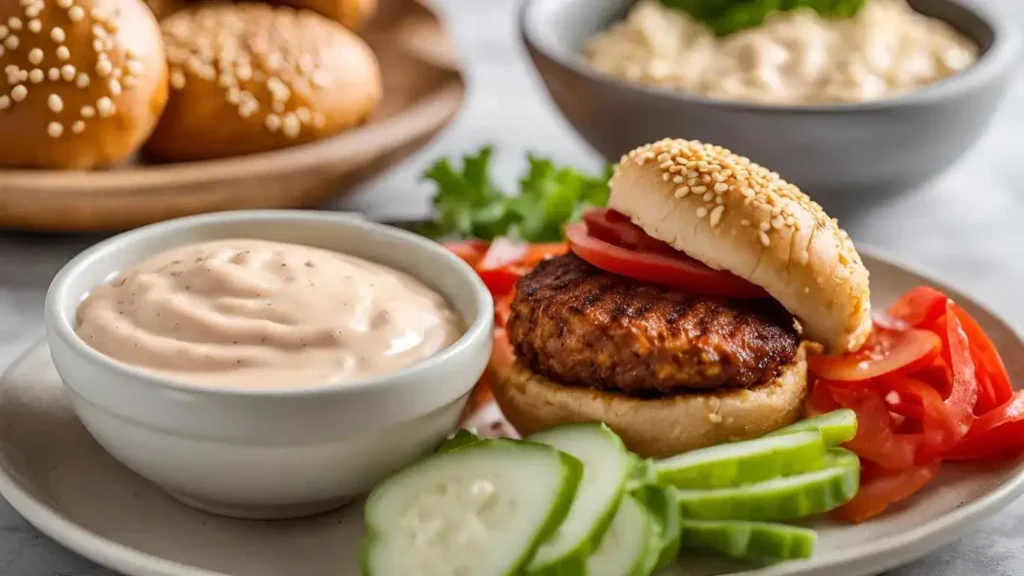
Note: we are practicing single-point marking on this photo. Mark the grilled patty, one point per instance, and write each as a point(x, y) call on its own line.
point(579, 325)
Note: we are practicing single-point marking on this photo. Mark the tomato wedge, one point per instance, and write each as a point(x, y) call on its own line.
point(881, 488)
point(886, 351)
point(989, 367)
point(964, 394)
point(876, 438)
point(919, 307)
point(616, 228)
point(999, 432)
point(677, 271)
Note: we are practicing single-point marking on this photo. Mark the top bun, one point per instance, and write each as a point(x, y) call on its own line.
point(732, 214)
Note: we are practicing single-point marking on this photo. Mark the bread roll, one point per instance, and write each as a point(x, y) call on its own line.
point(351, 13)
point(248, 78)
point(734, 215)
point(83, 81)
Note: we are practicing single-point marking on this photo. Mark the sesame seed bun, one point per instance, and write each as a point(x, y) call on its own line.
point(82, 82)
point(248, 78)
point(351, 13)
point(652, 427)
point(734, 215)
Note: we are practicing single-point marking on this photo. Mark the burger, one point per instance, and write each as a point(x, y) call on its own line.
point(683, 313)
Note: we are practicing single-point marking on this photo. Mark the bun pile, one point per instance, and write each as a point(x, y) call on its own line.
point(85, 84)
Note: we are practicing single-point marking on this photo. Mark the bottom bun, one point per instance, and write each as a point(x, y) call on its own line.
point(653, 427)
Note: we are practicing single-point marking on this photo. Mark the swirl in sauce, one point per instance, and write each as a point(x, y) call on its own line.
point(251, 313)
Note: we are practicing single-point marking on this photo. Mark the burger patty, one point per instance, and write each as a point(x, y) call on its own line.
point(577, 324)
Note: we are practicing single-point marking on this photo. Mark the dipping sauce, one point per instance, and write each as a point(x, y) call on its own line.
point(794, 57)
point(256, 314)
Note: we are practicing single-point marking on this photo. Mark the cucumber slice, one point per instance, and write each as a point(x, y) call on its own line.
point(462, 437)
point(482, 509)
point(746, 462)
point(749, 540)
point(630, 546)
point(663, 503)
point(606, 467)
point(779, 499)
point(641, 473)
point(836, 427)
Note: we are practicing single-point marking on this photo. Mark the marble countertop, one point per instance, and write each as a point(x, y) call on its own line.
point(966, 227)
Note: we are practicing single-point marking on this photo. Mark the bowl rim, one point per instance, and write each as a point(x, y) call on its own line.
point(1006, 42)
point(59, 326)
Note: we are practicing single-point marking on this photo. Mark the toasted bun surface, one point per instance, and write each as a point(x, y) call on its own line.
point(657, 427)
point(249, 78)
point(83, 83)
point(352, 13)
point(734, 215)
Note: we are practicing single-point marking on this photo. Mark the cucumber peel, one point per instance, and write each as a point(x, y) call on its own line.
point(663, 504)
point(836, 427)
point(749, 540)
point(642, 473)
point(784, 498)
point(630, 546)
point(607, 465)
point(739, 463)
point(462, 437)
point(484, 508)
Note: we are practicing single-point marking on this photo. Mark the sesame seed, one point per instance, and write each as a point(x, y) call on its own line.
point(63, 54)
point(700, 189)
point(67, 72)
point(702, 212)
point(78, 127)
point(36, 75)
point(32, 11)
point(54, 103)
point(778, 223)
point(721, 187)
point(58, 35)
point(22, 75)
point(273, 122)
point(11, 42)
point(82, 81)
point(97, 46)
point(745, 222)
point(4, 31)
point(682, 191)
point(665, 176)
point(304, 115)
point(177, 79)
point(5, 102)
point(19, 92)
point(104, 68)
point(291, 125)
point(53, 74)
point(65, 4)
point(115, 87)
point(35, 56)
point(716, 215)
point(87, 112)
point(55, 129)
point(14, 22)
point(105, 107)
point(708, 196)
point(135, 67)
point(129, 82)
point(765, 240)
point(76, 14)
point(34, 26)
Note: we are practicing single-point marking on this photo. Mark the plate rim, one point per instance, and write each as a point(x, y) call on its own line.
point(890, 553)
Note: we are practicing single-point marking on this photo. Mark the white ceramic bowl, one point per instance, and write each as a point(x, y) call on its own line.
point(270, 453)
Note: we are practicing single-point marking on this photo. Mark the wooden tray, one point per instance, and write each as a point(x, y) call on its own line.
point(424, 89)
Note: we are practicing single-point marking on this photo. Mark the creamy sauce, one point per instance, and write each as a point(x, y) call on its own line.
point(253, 314)
point(795, 57)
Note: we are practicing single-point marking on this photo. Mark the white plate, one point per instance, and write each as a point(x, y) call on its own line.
point(61, 481)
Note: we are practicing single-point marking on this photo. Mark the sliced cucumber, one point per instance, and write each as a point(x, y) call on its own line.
point(836, 427)
point(606, 467)
point(749, 540)
point(462, 437)
point(482, 509)
point(641, 473)
point(631, 545)
point(663, 503)
point(746, 462)
point(779, 499)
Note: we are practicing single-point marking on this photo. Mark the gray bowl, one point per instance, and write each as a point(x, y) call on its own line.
point(831, 151)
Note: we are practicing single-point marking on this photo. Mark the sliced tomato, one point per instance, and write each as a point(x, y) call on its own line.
point(876, 438)
point(471, 251)
point(677, 271)
point(616, 228)
point(885, 352)
point(919, 307)
point(503, 308)
point(964, 394)
point(506, 261)
point(999, 432)
point(820, 400)
point(988, 364)
point(881, 488)
point(937, 431)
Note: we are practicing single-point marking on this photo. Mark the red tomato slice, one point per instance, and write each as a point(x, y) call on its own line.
point(503, 252)
point(677, 271)
point(989, 365)
point(881, 488)
point(937, 431)
point(886, 351)
point(876, 439)
point(503, 308)
point(615, 228)
point(964, 394)
point(919, 307)
point(506, 261)
point(999, 432)
point(471, 251)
